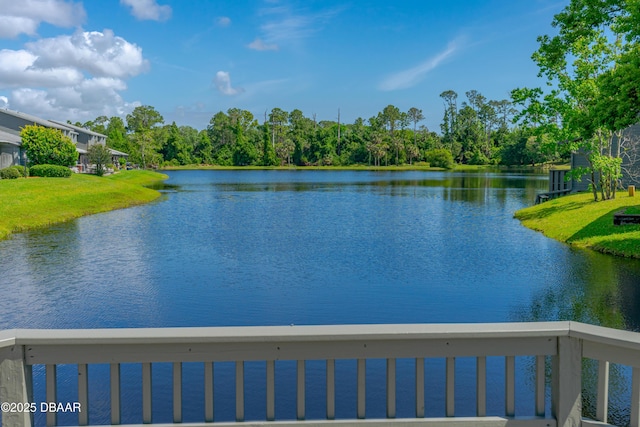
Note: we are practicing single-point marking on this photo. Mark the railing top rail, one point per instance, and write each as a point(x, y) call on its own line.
point(607, 336)
point(263, 334)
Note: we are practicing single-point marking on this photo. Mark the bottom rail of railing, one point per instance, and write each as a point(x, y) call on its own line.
point(427, 422)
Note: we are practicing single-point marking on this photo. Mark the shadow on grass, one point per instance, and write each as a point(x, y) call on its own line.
point(550, 208)
point(603, 226)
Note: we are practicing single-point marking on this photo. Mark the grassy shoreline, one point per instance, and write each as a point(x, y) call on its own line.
point(27, 204)
point(293, 167)
point(352, 168)
point(579, 221)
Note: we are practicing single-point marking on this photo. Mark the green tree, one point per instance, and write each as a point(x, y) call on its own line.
point(587, 65)
point(97, 125)
point(416, 116)
point(143, 122)
point(100, 156)
point(143, 118)
point(173, 147)
point(449, 124)
point(116, 133)
point(48, 146)
point(203, 151)
point(268, 150)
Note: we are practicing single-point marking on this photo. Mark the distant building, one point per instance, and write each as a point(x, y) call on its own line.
point(87, 138)
point(12, 122)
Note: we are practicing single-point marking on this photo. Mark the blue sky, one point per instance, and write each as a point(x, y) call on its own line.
point(73, 60)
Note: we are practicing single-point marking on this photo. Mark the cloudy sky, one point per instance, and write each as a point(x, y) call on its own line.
point(75, 60)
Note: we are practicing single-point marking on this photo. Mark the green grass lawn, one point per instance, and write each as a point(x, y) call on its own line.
point(578, 220)
point(31, 203)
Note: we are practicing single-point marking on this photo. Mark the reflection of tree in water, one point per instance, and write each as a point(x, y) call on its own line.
point(599, 290)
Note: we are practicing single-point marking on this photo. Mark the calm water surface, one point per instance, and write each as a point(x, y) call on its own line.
point(312, 247)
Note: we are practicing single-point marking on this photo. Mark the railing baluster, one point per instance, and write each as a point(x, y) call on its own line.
point(300, 390)
point(603, 391)
point(177, 392)
point(602, 398)
point(481, 386)
point(208, 392)
point(51, 395)
point(331, 389)
point(239, 391)
point(362, 387)
point(83, 394)
point(450, 386)
point(391, 388)
point(420, 387)
point(510, 386)
point(114, 376)
point(146, 393)
point(271, 390)
point(540, 386)
point(635, 397)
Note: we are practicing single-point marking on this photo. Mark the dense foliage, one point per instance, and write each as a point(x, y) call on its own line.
point(48, 146)
point(592, 64)
point(481, 131)
point(9, 173)
point(50, 171)
point(22, 170)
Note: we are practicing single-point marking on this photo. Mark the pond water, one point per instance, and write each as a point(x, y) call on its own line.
point(312, 247)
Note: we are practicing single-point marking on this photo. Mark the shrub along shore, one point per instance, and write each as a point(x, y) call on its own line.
point(579, 221)
point(31, 203)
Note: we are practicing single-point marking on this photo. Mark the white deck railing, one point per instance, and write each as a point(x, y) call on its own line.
point(566, 343)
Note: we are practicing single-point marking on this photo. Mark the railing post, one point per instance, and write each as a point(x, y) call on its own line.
point(16, 386)
point(566, 388)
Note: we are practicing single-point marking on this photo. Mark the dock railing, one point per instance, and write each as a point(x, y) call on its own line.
point(566, 344)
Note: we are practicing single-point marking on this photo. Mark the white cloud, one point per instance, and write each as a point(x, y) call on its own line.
point(287, 27)
point(13, 26)
point(17, 69)
point(76, 77)
point(222, 80)
point(24, 16)
point(98, 53)
point(223, 21)
point(412, 76)
point(86, 101)
point(148, 10)
point(4, 102)
point(258, 44)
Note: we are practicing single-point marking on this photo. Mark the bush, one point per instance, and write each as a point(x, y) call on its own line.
point(439, 158)
point(48, 146)
point(22, 170)
point(100, 156)
point(51, 171)
point(9, 173)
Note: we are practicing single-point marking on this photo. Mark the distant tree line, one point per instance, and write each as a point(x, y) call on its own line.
point(479, 132)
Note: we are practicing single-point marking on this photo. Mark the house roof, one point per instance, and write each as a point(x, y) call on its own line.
point(117, 153)
point(36, 120)
point(9, 137)
point(78, 128)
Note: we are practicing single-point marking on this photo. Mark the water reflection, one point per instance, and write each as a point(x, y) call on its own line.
point(283, 247)
point(600, 290)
